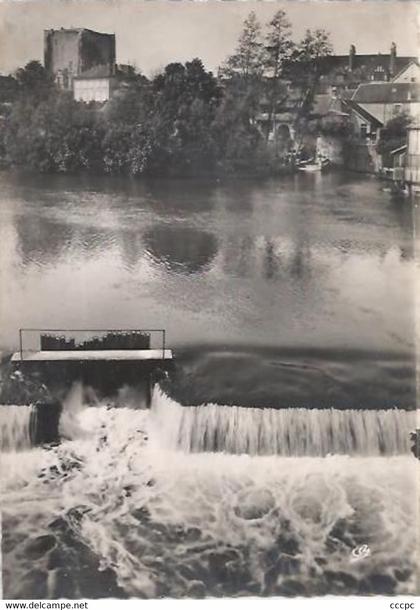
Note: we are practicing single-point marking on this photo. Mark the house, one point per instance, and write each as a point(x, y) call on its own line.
point(356, 87)
point(69, 53)
point(365, 125)
point(347, 72)
point(409, 74)
point(385, 101)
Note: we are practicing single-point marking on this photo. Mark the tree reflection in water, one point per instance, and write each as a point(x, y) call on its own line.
point(181, 249)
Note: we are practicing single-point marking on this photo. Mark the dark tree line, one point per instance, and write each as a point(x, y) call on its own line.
point(183, 121)
point(178, 123)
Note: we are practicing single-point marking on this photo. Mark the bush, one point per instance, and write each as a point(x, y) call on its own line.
point(394, 134)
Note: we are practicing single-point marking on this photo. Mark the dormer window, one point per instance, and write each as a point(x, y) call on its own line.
point(379, 73)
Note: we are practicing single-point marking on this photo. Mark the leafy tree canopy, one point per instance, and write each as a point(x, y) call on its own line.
point(394, 133)
point(34, 80)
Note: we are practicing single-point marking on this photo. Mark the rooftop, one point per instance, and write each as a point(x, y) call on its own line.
point(100, 71)
point(364, 114)
point(387, 93)
point(368, 59)
point(78, 30)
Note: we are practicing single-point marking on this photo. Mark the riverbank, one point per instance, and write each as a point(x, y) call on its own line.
point(274, 168)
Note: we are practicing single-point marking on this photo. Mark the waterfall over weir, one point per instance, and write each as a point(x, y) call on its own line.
point(17, 425)
point(237, 430)
point(287, 432)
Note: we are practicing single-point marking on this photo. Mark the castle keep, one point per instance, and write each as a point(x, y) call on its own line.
point(69, 53)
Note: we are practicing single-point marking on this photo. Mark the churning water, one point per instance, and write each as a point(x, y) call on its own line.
point(131, 505)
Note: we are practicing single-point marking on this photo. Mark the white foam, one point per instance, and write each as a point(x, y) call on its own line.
point(157, 515)
point(287, 432)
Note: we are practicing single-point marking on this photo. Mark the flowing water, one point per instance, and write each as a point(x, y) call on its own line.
point(286, 432)
point(160, 520)
point(16, 422)
point(281, 446)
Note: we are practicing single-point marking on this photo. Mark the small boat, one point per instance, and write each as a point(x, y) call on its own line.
point(310, 167)
point(313, 166)
point(317, 166)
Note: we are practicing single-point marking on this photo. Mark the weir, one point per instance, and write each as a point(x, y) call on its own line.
point(109, 360)
point(228, 429)
point(16, 425)
point(285, 431)
point(51, 361)
point(25, 426)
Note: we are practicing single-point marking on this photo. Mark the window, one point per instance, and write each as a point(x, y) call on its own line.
point(379, 74)
point(363, 130)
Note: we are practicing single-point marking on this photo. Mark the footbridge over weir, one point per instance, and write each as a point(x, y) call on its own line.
point(104, 359)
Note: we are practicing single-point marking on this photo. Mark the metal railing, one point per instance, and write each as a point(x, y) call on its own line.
point(93, 330)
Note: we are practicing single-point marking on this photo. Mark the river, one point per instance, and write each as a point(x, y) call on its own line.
point(289, 304)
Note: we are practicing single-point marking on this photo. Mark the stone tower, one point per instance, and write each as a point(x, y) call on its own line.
point(70, 52)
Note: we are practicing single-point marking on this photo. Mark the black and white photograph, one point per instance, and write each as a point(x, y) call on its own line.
point(209, 298)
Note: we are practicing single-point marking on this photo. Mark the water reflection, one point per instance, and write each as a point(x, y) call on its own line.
point(271, 261)
point(312, 259)
point(43, 241)
point(180, 198)
point(181, 249)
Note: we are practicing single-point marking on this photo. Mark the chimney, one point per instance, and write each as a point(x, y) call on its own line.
point(352, 55)
point(392, 59)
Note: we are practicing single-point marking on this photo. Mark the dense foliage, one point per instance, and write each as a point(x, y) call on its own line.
point(394, 134)
point(178, 123)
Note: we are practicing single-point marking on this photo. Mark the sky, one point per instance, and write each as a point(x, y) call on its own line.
point(152, 33)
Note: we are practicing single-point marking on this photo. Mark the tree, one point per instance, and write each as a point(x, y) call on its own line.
point(279, 45)
point(247, 61)
point(34, 80)
point(278, 51)
point(185, 100)
point(243, 71)
point(238, 141)
point(8, 89)
point(307, 64)
point(394, 134)
point(131, 104)
point(58, 134)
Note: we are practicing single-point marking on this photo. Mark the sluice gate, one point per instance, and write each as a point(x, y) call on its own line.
point(50, 361)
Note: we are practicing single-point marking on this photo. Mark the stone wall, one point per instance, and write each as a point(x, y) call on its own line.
point(69, 53)
point(61, 54)
point(96, 50)
point(361, 157)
